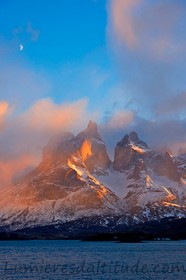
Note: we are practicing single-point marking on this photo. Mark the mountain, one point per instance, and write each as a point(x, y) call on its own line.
point(180, 161)
point(77, 186)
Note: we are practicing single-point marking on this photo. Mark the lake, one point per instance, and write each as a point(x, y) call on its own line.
point(67, 260)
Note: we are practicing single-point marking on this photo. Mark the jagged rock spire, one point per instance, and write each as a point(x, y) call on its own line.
point(92, 126)
point(128, 150)
point(132, 138)
point(90, 132)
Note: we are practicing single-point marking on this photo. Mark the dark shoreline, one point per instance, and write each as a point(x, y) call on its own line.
point(163, 230)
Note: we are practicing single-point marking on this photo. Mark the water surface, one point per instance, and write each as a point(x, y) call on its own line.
point(92, 260)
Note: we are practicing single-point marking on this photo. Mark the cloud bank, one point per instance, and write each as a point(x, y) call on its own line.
point(149, 44)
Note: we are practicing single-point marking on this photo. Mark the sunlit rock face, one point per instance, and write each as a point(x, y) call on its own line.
point(93, 146)
point(87, 143)
point(67, 155)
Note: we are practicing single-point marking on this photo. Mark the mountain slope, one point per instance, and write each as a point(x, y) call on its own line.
point(148, 181)
point(76, 179)
point(62, 187)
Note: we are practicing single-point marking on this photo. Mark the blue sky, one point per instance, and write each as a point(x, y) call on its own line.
point(72, 28)
point(69, 48)
point(121, 63)
point(75, 50)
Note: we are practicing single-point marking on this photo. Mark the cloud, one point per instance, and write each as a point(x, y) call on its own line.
point(120, 119)
point(34, 33)
point(18, 82)
point(24, 134)
point(122, 21)
point(147, 27)
point(148, 42)
point(21, 85)
point(97, 77)
point(50, 118)
point(12, 169)
point(4, 108)
point(115, 125)
point(21, 32)
point(175, 104)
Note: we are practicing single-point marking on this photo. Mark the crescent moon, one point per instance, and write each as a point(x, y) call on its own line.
point(21, 47)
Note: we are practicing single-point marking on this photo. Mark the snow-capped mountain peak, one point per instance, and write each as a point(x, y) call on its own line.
point(77, 179)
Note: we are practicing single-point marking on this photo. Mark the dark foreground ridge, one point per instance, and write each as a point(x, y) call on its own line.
point(165, 229)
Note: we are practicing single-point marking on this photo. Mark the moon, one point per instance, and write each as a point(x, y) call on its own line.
point(21, 47)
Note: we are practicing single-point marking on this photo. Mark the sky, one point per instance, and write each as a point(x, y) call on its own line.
point(121, 63)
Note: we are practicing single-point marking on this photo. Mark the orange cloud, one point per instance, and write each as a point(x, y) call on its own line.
point(4, 108)
point(49, 117)
point(11, 169)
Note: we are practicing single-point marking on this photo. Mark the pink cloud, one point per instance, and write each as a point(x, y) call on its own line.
point(11, 169)
point(122, 21)
point(50, 117)
point(4, 106)
point(4, 109)
point(149, 28)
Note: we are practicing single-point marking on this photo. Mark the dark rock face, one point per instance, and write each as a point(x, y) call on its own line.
point(99, 159)
point(163, 164)
point(139, 167)
point(128, 151)
point(132, 138)
point(180, 162)
point(131, 151)
point(123, 158)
